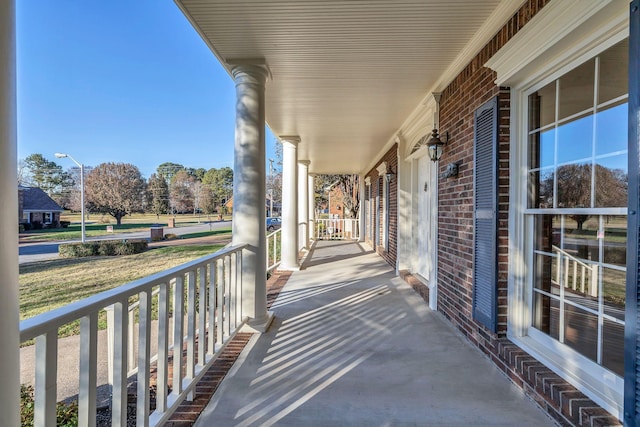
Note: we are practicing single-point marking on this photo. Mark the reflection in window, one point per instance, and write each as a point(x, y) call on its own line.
point(578, 167)
point(574, 139)
point(613, 75)
point(611, 182)
point(542, 149)
point(542, 107)
point(611, 129)
point(574, 186)
point(576, 90)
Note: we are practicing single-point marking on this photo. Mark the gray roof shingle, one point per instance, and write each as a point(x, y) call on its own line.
point(37, 200)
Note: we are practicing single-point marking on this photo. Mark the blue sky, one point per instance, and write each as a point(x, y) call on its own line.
point(121, 81)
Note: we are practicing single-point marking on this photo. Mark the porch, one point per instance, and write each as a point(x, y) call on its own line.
point(352, 344)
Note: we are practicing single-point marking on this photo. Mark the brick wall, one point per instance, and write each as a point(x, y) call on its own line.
point(467, 92)
point(377, 185)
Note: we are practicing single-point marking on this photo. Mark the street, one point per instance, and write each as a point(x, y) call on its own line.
point(42, 251)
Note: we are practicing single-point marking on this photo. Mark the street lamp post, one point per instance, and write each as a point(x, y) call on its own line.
point(62, 156)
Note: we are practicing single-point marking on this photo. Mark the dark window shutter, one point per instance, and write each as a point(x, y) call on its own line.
point(632, 320)
point(485, 250)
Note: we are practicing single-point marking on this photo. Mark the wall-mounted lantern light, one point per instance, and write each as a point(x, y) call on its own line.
point(388, 174)
point(435, 145)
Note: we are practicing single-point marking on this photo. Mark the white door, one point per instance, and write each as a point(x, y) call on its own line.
point(427, 225)
point(424, 220)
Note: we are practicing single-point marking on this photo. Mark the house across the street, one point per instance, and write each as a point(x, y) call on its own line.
point(36, 207)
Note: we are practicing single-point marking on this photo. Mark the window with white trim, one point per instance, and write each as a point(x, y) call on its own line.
point(576, 206)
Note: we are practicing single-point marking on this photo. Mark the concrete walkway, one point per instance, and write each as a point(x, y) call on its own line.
point(353, 345)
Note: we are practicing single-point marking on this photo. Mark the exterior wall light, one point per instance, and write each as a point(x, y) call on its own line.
point(435, 145)
point(388, 174)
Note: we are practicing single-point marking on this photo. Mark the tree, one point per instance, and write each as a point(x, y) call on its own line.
point(116, 189)
point(46, 175)
point(220, 182)
point(158, 195)
point(198, 174)
point(207, 202)
point(167, 170)
point(181, 192)
point(274, 187)
point(72, 197)
point(574, 188)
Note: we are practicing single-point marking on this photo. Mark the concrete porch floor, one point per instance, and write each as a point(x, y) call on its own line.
point(353, 345)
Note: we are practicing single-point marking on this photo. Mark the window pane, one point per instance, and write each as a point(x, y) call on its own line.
point(580, 237)
point(547, 232)
point(581, 331)
point(611, 129)
point(546, 273)
point(614, 63)
point(614, 282)
point(611, 181)
point(541, 149)
point(574, 186)
point(613, 346)
point(615, 240)
point(546, 315)
point(542, 107)
point(541, 189)
point(575, 139)
point(576, 90)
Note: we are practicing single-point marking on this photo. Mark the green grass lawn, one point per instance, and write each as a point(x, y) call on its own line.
point(50, 284)
point(97, 225)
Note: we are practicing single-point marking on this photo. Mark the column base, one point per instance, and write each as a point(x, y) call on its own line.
point(289, 268)
point(259, 325)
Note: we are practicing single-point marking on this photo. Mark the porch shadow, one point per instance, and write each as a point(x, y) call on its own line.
point(352, 344)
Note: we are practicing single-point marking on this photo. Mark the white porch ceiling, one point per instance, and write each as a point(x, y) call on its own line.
point(346, 74)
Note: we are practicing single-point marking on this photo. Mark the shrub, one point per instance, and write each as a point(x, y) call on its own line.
point(106, 248)
point(65, 224)
point(103, 248)
point(170, 236)
point(20, 228)
point(66, 413)
point(27, 226)
point(36, 225)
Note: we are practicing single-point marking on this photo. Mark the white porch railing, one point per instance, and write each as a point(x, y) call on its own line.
point(337, 229)
point(274, 245)
point(575, 274)
point(213, 304)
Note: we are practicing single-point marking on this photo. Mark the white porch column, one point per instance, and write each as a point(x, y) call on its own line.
point(312, 206)
point(303, 202)
point(362, 218)
point(289, 203)
point(249, 194)
point(9, 308)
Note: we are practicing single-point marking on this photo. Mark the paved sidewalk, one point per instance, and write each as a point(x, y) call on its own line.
point(353, 345)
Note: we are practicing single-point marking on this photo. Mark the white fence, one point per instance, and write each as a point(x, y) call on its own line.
point(274, 245)
point(337, 229)
point(575, 274)
point(199, 302)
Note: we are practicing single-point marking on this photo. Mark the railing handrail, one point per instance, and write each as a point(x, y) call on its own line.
point(345, 228)
point(51, 320)
point(571, 257)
